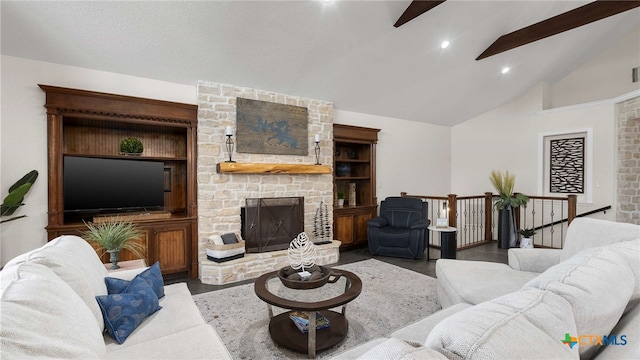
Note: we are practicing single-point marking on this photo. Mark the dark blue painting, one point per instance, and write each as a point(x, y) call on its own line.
point(270, 128)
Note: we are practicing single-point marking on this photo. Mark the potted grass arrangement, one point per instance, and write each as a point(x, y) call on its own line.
point(506, 202)
point(114, 235)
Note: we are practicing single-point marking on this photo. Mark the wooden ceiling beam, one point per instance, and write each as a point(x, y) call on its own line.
point(415, 9)
point(583, 15)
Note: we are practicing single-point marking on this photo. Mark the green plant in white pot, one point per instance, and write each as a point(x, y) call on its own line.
point(341, 195)
point(504, 184)
point(114, 235)
point(526, 242)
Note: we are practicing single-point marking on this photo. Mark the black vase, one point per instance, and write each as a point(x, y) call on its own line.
point(507, 232)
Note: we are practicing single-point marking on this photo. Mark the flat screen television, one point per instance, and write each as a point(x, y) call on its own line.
point(97, 185)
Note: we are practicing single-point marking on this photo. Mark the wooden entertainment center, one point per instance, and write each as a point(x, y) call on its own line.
point(92, 124)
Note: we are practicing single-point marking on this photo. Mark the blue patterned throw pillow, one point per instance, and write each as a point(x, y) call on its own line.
point(123, 312)
point(152, 275)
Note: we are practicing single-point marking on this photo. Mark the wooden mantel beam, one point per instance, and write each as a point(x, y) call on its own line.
point(267, 168)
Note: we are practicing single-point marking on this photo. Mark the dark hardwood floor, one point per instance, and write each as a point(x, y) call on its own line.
point(488, 252)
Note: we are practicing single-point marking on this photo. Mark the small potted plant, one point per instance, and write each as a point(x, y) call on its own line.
point(114, 235)
point(526, 242)
point(131, 146)
point(341, 196)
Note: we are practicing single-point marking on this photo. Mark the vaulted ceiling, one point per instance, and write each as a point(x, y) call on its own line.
point(347, 52)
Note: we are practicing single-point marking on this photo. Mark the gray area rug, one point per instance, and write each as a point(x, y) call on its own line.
point(391, 298)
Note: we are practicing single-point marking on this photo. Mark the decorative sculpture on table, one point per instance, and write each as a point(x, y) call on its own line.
point(303, 273)
point(302, 254)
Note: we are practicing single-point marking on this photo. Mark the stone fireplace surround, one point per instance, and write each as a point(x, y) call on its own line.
point(220, 196)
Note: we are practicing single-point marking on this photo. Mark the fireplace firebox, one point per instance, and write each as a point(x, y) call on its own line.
point(269, 224)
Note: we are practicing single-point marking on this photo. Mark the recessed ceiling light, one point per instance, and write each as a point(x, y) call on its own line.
point(445, 44)
point(505, 69)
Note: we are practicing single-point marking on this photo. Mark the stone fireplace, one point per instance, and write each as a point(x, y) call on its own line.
point(221, 196)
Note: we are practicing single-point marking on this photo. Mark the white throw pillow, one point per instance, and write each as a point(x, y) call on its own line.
point(598, 283)
point(42, 317)
point(216, 240)
point(527, 324)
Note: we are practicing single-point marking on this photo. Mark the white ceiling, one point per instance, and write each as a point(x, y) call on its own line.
point(347, 52)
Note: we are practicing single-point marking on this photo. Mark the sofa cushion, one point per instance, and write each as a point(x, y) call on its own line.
point(623, 339)
point(500, 328)
point(598, 283)
point(200, 342)
point(585, 233)
point(396, 349)
point(178, 313)
point(419, 331)
point(467, 281)
point(43, 317)
point(124, 311)
point(630, 252)
point(152, 275)
point(76, 263)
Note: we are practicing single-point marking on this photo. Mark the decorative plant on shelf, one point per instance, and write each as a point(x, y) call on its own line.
point(504, 184)
point(112, 236)
point(16, 195)
point(131, 146)
point(341, 195)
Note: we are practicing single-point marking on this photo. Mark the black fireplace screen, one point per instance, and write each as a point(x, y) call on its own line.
point(269, 224)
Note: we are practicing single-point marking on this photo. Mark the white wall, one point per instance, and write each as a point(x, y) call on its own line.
point(605, 76)
point(410, 156)
point(506, 138)
point(23, 141)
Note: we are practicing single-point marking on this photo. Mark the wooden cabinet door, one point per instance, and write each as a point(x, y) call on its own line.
point(360, 227)
point(171, 246)
point(343, 228)
point(127, 255)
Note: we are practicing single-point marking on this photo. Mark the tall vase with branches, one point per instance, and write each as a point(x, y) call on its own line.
point(504, 184)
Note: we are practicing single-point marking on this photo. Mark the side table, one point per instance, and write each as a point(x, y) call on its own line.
point(127, 265)
point(448, 241)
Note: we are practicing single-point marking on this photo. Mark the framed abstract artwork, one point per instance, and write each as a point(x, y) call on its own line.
point(566, 161)
point(565, 164)
point(268, 128)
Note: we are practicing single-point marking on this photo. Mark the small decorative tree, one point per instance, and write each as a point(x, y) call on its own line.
point(302, 253)
point(321, 228)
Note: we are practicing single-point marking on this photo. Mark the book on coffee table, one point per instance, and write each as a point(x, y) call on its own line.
point(301, 320)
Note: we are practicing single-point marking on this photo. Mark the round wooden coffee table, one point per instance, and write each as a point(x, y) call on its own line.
point(283, 331)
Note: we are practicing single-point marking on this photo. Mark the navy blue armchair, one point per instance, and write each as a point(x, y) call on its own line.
point(401, 228)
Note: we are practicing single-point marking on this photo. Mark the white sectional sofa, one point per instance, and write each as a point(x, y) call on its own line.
point(49, 310)
point(581, 302)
